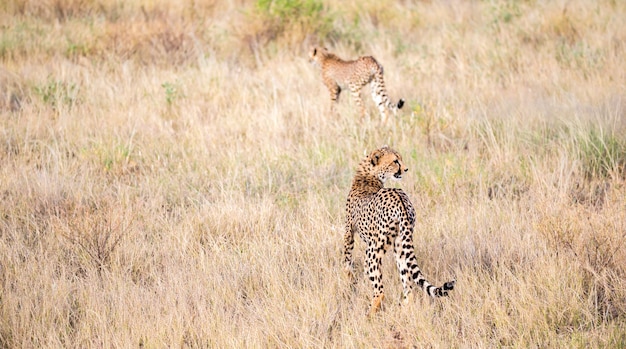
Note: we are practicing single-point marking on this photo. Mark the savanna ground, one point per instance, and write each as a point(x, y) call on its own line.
point(170, 175)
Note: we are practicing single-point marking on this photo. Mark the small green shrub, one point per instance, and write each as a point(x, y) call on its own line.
point(504, 13)
point(58, 93)
point(172, 92)
point(294, 18)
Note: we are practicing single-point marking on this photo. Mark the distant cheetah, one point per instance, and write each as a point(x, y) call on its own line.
point(355, 75)
point(382, 217)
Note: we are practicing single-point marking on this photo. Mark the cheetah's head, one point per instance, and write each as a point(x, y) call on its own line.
point(387, 163)
point(316, 54)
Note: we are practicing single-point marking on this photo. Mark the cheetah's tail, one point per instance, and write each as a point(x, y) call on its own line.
point(400, 103)
point(443, 290)
point(434, 291)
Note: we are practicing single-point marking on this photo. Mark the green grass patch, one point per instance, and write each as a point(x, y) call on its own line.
point(603, 154)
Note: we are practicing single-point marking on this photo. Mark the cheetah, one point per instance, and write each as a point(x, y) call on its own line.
point(382, 217)
point(355, 75)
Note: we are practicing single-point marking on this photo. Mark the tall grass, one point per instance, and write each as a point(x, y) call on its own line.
point(170, 174)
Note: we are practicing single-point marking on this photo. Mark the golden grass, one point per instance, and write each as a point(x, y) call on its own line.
point(170, 175)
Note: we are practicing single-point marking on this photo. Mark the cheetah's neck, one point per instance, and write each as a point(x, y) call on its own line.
point(364, 183)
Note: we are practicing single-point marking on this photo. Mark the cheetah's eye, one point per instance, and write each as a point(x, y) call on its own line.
point(396, 162)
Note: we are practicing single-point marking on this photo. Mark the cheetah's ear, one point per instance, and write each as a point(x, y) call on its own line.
point(375, 157)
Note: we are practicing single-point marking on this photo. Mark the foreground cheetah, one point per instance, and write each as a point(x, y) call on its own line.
point(384, 216)
point(355, 75)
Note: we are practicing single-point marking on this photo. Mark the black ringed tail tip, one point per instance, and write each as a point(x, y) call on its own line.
point(400, 103)
point(449, 285)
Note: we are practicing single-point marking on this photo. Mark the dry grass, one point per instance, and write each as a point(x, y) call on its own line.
point(170, 175)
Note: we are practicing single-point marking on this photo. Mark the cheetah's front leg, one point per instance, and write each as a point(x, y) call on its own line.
point(334, 90)
point(348, 247)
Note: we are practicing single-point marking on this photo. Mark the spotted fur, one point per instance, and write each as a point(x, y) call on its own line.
point(354, 75)
point(383, 217)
